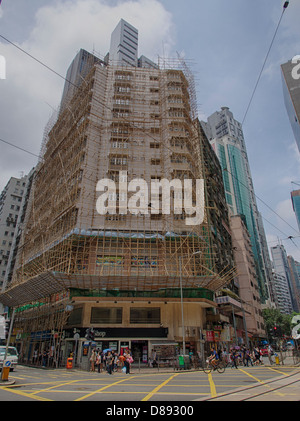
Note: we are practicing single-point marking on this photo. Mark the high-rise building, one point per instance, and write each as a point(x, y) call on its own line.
point(295, 195)
point(217, 209)
point(295, 281)
point(281, 293)
point(124, 45)
point(248, 286)
point(280, 263)
point(117, 236)
point(291, 92)
point(76, 74)
point(227, 139)
point(10, 205)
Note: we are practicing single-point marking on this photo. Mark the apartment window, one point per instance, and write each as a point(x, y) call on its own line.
point(119, 145)
point(118, 161)
point(106, 315)
point(149, 315)
point(155, 161)
point(119, 101)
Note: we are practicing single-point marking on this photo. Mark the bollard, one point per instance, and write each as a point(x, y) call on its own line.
point(5, 370)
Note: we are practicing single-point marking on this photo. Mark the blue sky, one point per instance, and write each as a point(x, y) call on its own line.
point(224, 43)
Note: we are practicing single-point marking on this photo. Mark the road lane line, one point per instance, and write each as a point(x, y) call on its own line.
point(261, 382)
point(212, 385)
point(27, 395)
point(156, 389)
point(55, 386)
point(277, 371)
point(103, 388)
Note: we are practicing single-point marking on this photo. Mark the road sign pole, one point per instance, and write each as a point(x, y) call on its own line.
point(9, 333)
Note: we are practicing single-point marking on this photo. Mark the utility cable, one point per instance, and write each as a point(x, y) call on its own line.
point(18, 147)
point(225, 169)
point(264, 63)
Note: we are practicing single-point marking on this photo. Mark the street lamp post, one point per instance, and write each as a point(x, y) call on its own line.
point(181, 300)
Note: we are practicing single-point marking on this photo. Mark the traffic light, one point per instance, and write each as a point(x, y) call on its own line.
point(7, 326)
point(277, 331)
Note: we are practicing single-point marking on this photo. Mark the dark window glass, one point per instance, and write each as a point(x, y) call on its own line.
point(106, 315)
point(147, 315)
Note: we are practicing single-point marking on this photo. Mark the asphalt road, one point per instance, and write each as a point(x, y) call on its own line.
point(173, 387)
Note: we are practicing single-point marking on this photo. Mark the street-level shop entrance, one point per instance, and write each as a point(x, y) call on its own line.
point(139, 351)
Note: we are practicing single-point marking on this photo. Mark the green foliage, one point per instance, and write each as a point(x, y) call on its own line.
point(273, 317)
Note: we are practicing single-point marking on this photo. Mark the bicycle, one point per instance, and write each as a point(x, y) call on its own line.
point(219, 365)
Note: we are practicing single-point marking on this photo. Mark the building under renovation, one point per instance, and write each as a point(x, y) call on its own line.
point(123, 235)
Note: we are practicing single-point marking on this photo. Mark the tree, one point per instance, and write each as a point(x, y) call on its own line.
point(273, 318)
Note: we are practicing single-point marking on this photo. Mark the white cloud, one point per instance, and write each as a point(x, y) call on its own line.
point(60, 30)
point(285, 210)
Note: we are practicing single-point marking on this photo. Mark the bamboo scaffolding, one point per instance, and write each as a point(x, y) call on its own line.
point(137, 120)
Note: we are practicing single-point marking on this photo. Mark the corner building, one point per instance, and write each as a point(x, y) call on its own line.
point(119, 273)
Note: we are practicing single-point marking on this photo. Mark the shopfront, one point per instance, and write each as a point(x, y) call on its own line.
point(115, 339)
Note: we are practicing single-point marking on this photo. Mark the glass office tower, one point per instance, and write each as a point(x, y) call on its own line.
point(295, 195)
point(291, 93)
point(227, 139)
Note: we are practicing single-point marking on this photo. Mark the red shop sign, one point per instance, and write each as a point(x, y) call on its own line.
point(210, 337)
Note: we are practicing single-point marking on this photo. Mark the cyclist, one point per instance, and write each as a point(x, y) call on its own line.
point(213, 358)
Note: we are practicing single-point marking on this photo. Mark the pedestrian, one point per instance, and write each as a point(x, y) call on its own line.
point(121, 360)
point(109, 362)
point(257, 360)
point(128, 361)
point(35, 356)
point(270, 353)
point(248, 357)
point(234, 357)
point(103, 360)
point(45, 358)
point(99, 362)
point(244, 356)
point(114, 362)
point(93, 360)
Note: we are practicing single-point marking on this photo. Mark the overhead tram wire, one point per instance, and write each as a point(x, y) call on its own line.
point(225, 169)
point(265, 60)
point(18, 147)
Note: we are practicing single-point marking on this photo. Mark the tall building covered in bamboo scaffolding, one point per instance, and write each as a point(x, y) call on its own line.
point(102, 247)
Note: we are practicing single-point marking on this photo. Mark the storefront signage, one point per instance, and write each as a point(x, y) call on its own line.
point(210, 337)
point(225, 334)
point(109, 261)
point(118, 332)
point(216, 335)
point(99, 333)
